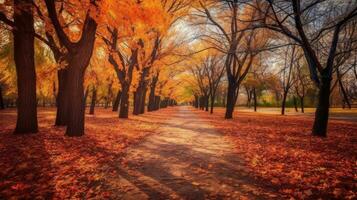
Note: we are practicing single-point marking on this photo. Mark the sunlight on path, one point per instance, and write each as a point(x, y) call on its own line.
point(187, 160)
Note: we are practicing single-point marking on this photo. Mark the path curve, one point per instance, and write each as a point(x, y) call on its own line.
point(188, 159)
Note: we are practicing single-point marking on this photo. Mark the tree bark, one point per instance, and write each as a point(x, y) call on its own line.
point(322, 110)
point(124, 102)
point(206, 100)
point(23, 34)
point(231, 100)
point(157, 102)
point(283, 102)
point(295, 104)
point(302, 104)
point(2, 106)
point(139, 93)
point(116, 102)
point(213, 96)
point(151, 103)
point(94, 99)
point(344, 94)
point(61, 117)
point(255, 99)
point(143, 100)
point(86, 92)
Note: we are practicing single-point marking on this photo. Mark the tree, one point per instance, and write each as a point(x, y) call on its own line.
point(214, 71)
point(23, 37)
point(78, 59)
point(287, 75)
point(297, 21)
point(229, 19)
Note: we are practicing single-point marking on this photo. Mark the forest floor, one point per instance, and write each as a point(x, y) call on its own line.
point(179, 153)
point(335, 113)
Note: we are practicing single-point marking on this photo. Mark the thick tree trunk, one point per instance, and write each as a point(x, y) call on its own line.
point(94, 99)
point(116, 102)
point(124, 102)
point(61, 114)
point(231, 100)
point(2, 106)
point(322, 110)
point(77, 64)
point(75, 91)
point(23, 33)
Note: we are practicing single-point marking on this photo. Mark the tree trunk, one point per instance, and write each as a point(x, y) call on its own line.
point(196, 102)
point(249, 96)
point(212, 102)
point(116, 102)
point(344, 94)
point(124, 102)
point(302, 104)
point(157, 102)
point(143, 100)
point(77, 64)
point(2, 106)
point(231, 100)
point(295, 104)
point(322, 110)
point(94, 99)
point(61, 117)
point(283, 102)
point(86, 92)
point(23, 34)
point(151, 103)
point(75, 91)
point(255, 99)
point(206, 103)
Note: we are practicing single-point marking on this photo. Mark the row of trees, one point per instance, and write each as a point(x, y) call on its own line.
point(254, 45)
point(243, 31)
point(133, 37)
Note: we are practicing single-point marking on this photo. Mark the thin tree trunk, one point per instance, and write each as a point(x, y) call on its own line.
point(322, 110)
point(295, 104)
point(283, 103)
point(86, 92)
point(23, 33)
point(255, 99)
point(302, 104)
point(94, 99)
point(344, 94)
point(212, 102)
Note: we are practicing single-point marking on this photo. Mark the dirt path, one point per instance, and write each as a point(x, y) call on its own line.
point(187, 160)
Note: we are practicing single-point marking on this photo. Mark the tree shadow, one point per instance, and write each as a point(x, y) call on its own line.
point(26, 168)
